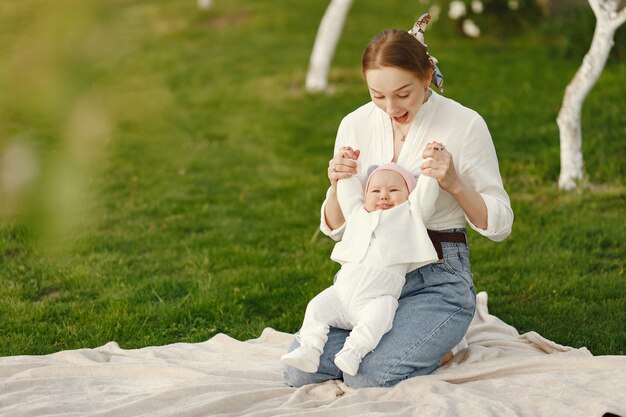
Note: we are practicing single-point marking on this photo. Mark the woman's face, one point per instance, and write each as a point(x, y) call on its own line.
point(397, 92)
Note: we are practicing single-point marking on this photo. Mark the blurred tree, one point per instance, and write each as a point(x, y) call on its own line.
point(560, 7)
point(509, 14)
point(70, 84)
point(496, 17)
point(205, 4)
point(325, 44)
point(610, 15)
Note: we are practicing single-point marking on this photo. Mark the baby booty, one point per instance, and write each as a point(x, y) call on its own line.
point(305, 358)
point(348, 361)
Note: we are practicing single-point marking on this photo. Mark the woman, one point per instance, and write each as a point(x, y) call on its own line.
point(408, 123)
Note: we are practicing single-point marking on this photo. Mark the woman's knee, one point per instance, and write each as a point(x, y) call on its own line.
point(395, 359)
point(362, 380)
point(377, 374)
point(367, 377)
point(297, 378)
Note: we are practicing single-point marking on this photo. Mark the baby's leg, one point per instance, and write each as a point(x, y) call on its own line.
point(323, 311)
point(327, 369)
point(374, 320)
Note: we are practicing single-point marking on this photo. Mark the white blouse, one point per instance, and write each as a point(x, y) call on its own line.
point(464, 134)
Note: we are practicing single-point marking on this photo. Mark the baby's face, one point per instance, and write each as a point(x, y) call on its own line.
point(386, 189)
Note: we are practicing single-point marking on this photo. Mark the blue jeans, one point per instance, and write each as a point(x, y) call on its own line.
point(434, 311)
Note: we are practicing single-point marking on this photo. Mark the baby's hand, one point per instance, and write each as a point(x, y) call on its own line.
point(348, 153)
point(343, 164)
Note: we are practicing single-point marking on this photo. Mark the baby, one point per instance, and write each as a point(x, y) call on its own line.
point(385, 237)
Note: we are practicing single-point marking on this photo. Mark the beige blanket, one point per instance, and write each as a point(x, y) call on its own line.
point(501, 374)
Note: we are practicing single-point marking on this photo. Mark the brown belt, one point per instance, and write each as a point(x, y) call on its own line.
point(438, 237)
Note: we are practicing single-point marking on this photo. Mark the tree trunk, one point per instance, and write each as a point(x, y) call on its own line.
point(610, 14)
point(205, 4)
point(325, 43)
point(569, 118)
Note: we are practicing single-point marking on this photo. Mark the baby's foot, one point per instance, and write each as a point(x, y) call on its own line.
point(305, 358)
point(348, 361)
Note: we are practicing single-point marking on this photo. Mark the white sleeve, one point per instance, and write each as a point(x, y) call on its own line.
point(350, 194)
point(424, 197)
point(335, 234)
point(342, 139)
point(479, 169)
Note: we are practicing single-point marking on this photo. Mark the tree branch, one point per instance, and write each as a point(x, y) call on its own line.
point(609, 6)
point(618, 19)
point(596, 7)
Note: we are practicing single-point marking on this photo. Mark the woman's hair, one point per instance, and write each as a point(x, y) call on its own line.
point(396, 48)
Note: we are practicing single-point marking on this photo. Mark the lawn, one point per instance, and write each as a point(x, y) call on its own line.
point(170, 168)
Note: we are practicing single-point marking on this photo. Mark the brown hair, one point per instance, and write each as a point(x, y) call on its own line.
point(396, 48)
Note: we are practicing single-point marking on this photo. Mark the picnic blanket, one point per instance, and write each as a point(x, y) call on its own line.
point(502, 373)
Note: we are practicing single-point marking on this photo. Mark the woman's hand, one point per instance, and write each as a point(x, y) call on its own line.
point(440, 166)
point(342, 165)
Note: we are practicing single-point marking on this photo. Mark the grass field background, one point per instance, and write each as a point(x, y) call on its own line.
point(171, 168)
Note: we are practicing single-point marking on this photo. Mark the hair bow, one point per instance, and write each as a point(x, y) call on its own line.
point(418, 32)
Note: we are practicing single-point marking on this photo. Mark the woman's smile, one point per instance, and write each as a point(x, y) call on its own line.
point(402, 118)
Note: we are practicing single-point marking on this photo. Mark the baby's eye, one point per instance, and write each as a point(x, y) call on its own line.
point(379, 97)
point(403, 95)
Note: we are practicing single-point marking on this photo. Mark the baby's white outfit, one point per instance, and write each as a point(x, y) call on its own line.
point(376, 252)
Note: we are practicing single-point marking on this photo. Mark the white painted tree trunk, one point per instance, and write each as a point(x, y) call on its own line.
point(325, 44)
point(608, 19)
point(205, 4)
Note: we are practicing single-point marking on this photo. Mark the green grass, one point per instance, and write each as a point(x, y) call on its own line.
point(195, 212)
